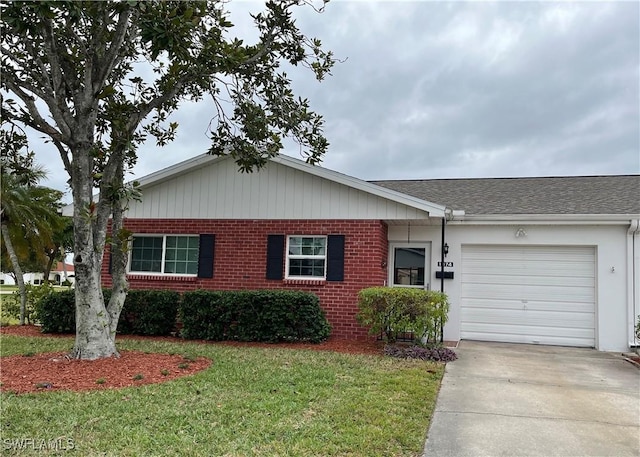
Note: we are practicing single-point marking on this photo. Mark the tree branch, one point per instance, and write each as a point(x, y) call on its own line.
point(38, 121)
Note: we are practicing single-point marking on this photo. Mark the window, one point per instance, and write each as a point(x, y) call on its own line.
point(306, 257)
point(165, 254)
point(409, 266)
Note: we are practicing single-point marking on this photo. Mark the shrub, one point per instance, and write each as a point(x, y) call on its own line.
point(11, 307)
point(260, 315)
point(57, 312)
point(149, 312)
point(145, 312)
point(436, 354)
point(393, 310)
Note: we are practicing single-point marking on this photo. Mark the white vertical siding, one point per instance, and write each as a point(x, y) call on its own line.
point(219, 191)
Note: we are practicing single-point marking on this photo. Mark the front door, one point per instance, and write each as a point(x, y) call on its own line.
point(410, 265)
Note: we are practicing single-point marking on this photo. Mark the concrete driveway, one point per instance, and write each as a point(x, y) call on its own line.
point(522, 400)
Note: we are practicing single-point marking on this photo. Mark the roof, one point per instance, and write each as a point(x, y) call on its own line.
point(59, 267)
point(618, 194)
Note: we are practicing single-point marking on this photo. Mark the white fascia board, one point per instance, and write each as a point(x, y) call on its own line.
point(178, 169)
point(545, 219)
point(433, 209)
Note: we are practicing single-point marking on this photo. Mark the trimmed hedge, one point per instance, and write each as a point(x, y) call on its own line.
point(257, 315)
point(149, 312)
point(57, 312)
point(391, 311)
point(145, 312)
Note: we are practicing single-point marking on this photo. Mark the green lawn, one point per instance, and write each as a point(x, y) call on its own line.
point(250, 402)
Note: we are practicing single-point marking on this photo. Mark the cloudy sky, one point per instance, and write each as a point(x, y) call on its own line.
point(457, 89)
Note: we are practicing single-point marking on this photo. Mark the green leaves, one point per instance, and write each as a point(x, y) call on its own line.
point(395, 310)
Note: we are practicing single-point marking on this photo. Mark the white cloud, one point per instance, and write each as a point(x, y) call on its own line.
point(463, 89)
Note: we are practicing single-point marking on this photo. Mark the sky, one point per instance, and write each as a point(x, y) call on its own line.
point(455, 90)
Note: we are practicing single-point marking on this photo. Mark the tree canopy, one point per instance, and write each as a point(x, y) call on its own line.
point(98, 78)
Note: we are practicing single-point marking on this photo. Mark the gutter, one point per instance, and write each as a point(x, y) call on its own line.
point(546, 219)
point(633, 279)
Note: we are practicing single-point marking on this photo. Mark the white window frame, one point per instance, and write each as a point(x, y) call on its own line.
point(164, 253)
point(313, 257)
point(427, 267)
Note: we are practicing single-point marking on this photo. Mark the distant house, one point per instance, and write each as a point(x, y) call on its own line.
point(61, 272)
point(56, 276)
point(529, 260)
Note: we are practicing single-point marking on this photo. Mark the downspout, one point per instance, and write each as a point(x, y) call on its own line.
point(442, 242)
point(633, 277)
point(444, 223)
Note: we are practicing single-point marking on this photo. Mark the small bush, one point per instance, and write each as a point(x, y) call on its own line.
point(394, 310)
point(260, 315)
point(436, 354)
point(57, 312)
point(145, 312)
point(149, 312)
point(11, 307)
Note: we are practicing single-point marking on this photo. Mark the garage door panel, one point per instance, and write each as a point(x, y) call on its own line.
point(517, 268)
point(535, 334)
point(573, 307)
point(531, 319)
point(528, 280)
point(568, 253)
point(528, 294)
point(520, 338)
point(567, 294)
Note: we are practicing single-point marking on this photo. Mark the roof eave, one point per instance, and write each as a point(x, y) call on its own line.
point(600, 219)
point(434, 210)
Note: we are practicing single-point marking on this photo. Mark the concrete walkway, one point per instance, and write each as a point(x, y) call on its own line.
point(523, 400)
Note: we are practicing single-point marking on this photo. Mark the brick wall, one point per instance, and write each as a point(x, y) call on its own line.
point(240, 261)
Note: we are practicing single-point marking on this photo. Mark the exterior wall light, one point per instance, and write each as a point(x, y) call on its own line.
point(445, 249)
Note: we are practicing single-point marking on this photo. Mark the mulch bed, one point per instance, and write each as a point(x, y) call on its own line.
point(54, 371)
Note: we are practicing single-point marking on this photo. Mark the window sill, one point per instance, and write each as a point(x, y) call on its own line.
point(147, 277)
point(305, 282)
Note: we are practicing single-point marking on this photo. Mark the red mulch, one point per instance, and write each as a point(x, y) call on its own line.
point(53, 371)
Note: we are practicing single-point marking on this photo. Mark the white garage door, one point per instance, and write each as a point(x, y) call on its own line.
point(529, 294)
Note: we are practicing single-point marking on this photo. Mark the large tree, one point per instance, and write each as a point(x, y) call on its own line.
point(98, 77)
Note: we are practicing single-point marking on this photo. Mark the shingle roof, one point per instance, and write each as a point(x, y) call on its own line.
point(553, 195)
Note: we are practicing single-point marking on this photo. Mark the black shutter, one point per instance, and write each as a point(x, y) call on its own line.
point(205, 256)
point(275, 256)
point(335, 258)
point(110, 261)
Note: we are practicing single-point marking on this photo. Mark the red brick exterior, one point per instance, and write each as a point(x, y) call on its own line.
point(240, 259)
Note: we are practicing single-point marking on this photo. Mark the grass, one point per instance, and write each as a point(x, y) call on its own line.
point(250, 402)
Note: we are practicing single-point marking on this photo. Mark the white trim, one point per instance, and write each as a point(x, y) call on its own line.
point(313, 257)
point(426, 245)
point(433, 209)
point(633, 284)
point(544, 219)
point(164, 252)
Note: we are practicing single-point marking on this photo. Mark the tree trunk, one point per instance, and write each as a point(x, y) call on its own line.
point(94, 339)
point(120, 285)
point(51, 257)
point(64, 265)
point(16, 270)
